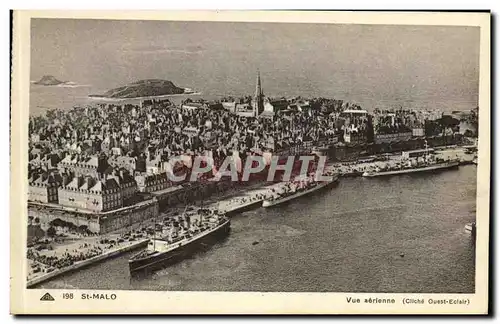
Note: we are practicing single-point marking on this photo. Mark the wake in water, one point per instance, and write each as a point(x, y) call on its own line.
point(376, 208)
point(74, 86)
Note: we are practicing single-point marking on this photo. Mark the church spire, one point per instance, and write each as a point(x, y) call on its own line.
point(258, 89)
point(258, 105)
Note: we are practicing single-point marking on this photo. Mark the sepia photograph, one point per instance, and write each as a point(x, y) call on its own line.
point(252, 155)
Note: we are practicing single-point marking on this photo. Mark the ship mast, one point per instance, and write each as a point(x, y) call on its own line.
point(426, 154)
point(154, 234)
point(184, 213)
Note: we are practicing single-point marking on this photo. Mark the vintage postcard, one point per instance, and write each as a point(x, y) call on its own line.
point(250, 162)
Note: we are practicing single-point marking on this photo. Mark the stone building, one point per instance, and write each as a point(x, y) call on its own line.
point(84, 165)
point(47, 161)
point(273, 106)
point(152, 182)
point(127, 184)
point(42, 187)
point(126, 162)
point(91, 193)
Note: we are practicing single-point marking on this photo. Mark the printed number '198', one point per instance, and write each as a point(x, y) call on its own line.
point(67, 296)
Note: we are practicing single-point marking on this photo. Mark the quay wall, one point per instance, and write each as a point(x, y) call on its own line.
point(107, 255)
point(128, 216)
point(46, 213)
point(388, 138)
point(106, 222)
point(187, 195)
point(99, 223)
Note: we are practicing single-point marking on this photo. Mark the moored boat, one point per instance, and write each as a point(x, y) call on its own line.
point(423, 168)
point(428, 162)
point(471, 227)
point(296, 190)
point(165, 251)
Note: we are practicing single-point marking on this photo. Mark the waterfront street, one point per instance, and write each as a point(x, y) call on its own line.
point(60, 256)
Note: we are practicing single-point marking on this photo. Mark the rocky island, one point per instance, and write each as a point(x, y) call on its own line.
point(48, 80)
point(144, 88)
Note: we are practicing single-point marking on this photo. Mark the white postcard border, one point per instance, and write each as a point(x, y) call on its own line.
point(153, 302)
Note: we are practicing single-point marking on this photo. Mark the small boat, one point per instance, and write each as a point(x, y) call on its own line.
point(471, 228)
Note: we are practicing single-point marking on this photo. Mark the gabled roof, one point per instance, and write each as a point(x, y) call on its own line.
point(109, 170)
point(86, 185)
point(111, 183)
point(55, 178)
point(38, 179)
point(98, 187)
point(92, 161)
point(75, 183)
point(36, 158)
point(127, 177)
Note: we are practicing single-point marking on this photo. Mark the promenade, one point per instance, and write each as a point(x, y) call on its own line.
point(46, 272)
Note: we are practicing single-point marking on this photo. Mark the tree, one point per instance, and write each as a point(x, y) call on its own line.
point(51, 232)
point(448, 122)
point(469, 133)
point(83, 228)
point(56, 222)
point(432, 128)
point(473, 119)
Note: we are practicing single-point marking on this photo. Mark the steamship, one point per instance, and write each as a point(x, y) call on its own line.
point(179, 245)
point(429, 162)
point(296, 190)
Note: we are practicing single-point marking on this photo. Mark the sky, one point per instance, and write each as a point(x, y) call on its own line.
point(367, 62)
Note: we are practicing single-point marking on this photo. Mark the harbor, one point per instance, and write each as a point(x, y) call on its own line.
point(176, 178)
point(276, 164)
point(236, 204)
point(328, 233)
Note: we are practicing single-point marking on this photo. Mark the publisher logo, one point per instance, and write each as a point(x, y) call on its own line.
point(47, 297)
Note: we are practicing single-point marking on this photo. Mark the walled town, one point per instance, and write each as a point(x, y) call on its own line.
point(100, 169)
